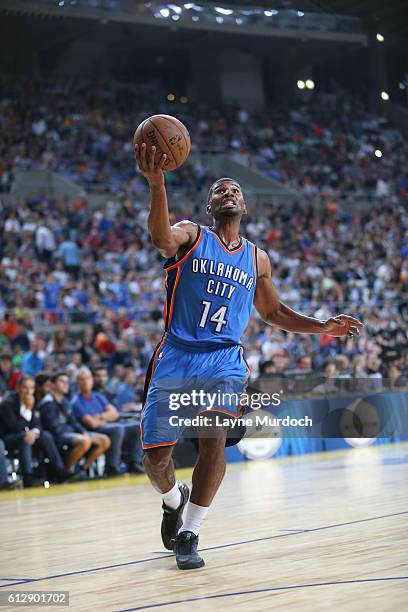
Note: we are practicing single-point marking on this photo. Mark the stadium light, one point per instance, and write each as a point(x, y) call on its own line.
point(310, 84)
point(219, 19)
point(380, 37)
point(401, 85)
point(195, 18)
point(384, 95)
point(300, 14)
point(378, 153)
point(189, 5)
point(164, 12)
point(223, 11)
point(175, 17)
point(271, 13)
point(175, 8)
point(301, 84)
point(171, 97)
point(239, 21)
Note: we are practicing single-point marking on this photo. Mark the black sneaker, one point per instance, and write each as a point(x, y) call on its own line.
point(67, 477)
point(172, 519)
point(185, 549)
point(30, 481)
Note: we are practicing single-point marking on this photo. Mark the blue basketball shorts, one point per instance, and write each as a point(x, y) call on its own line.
point(181, 385)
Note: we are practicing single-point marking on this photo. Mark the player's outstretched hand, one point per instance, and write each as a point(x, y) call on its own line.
point(342, 325)
point(148, 166)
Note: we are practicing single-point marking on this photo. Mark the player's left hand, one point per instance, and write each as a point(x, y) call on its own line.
point(342, 325)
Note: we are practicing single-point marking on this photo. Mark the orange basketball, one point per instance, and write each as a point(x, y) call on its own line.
point(168, 135)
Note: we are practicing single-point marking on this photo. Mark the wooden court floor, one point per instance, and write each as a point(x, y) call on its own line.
point(311, 533)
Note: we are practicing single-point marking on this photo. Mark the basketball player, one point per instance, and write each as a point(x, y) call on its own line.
point(213, 278)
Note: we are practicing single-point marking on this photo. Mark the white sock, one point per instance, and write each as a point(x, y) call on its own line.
point(172, 498)
point(194, 517)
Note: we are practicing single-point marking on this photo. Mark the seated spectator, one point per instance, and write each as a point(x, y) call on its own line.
point(101, 378)
point(328, 385)
point(343, 366)
point(22, 339)
point(126, 396)
point(34, 360)
point(5, 483)
point(71, 256)
point(56, 417)
point(21, 430)
point(96, 413)
point(43, 387)
point(304, 362)
point(329, 368)
point(8, 376)
point(9, 326)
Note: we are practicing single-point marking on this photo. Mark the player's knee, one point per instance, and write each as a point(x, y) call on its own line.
point(157, 459)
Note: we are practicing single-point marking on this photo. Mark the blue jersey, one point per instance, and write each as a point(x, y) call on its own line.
point(210, 293)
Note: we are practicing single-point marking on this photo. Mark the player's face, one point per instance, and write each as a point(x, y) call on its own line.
point(227, 201)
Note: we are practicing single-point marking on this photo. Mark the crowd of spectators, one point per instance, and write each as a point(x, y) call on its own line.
point(61, 425)
point(83, 286)
point(326, 147)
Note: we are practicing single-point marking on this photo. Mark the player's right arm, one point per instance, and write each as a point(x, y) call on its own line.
point(167, 239)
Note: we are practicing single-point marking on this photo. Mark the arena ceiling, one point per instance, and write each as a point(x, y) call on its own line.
point(388, 16)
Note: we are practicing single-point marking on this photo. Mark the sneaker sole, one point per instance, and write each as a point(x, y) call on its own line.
point(189, 566)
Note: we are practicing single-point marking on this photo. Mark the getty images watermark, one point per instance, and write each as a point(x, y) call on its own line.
point(227, 402)
point(210, 401)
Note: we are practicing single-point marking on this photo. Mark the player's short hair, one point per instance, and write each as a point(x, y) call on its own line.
point(218, 182)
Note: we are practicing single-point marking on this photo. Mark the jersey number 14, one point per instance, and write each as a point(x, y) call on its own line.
point(218, 317)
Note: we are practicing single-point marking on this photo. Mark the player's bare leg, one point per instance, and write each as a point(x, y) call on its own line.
point(210, 467)
point(159, 467)
point(207, 477)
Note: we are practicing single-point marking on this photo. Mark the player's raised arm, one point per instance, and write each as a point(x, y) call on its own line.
point(166, 238)
point(274, 312)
